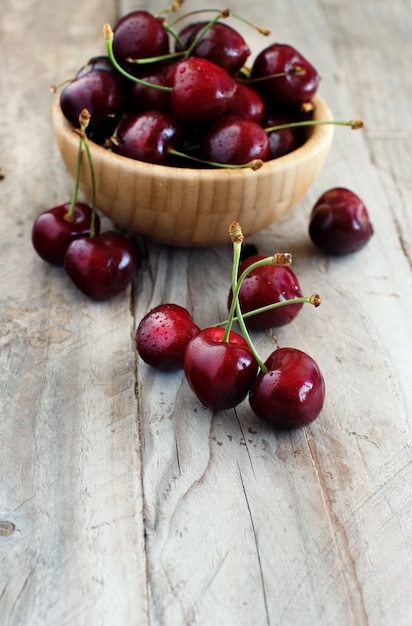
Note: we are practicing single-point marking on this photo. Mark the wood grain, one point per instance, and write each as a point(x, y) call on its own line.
point(123, 501)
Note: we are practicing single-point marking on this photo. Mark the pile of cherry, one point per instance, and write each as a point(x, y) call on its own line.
point(200, 102)
point(164, 96)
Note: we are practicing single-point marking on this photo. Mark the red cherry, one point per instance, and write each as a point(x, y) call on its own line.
point(220, 44)
point(201, 90)
point(234, 140)
point(219, 372)
point(102, 266)
point(100, 92)
point(163, 334)
point(53, 230)
point(266, 285)
point(146, 137)
point(291, 393)
point(139, 35)
point(339, 222)
point(284, 140)
point(247, 103)
point(294, 80)
point(144, 98)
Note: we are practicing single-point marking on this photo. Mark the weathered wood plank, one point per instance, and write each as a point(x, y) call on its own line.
point(70, 476)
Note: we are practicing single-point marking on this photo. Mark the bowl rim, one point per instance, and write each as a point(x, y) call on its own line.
point(319, 136)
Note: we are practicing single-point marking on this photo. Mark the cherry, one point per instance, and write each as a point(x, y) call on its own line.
point(54, 229)
point(290, 394)
point(220, 44)
point(219, 372)
point(247, 103)
point(266, 285)
point(235, 140)
point(163, 334)
point(339, 222)
point(284, 140)
point(144, 96)
point(146, 137)
point(101, 266)
point(283, 76)
point(101, 93)
point(137, 35)
point(201, 90)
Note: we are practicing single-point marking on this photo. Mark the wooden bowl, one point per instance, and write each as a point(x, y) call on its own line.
point(194, 207)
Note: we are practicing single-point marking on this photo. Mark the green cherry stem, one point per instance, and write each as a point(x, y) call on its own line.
point(354, 124)
point(84, 119)
point(255, 164)
point(237, 237)
point(314, 299)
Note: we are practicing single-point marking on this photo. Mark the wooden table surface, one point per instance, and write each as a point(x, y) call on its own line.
point(125, 502)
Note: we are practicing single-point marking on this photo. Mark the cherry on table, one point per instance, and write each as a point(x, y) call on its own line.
point(101, 267)
point(339, 222)
point(54, 229)
point(291, 393)
point(163, 334)
point(219, 372)
point(266, 285)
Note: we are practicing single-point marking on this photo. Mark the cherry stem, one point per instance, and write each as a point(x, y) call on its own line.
point(314, 299)
point(276, 259)
point(354, 124)
point(181, 53)
point(84, 119)
point(255, 164)
point(108, 34)
point(237, 238)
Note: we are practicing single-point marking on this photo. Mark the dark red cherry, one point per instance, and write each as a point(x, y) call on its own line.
point(339, 222)
point(101, 267)
point(201, 90)
point(291, 393)
point(163, 334)
point(144, 98)
point(219, 372)
point(220, 44)
point(247, 103)
point(234, 140)
point(264, 286)
point(101, 93)
point(285, 140)
point(147, 137)
point(296, 81)
point(139, 35)
point(53, 230)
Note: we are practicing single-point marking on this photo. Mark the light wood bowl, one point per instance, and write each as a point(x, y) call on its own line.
point(194, 207)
